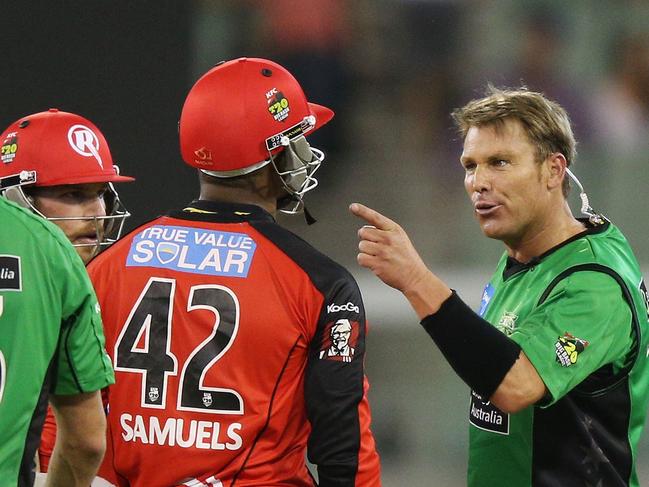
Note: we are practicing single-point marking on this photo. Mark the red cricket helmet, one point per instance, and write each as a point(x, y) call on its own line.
point(236, 113)
point(59, 147)
point(55, 148)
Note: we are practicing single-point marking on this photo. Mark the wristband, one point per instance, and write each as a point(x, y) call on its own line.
point(478, 352)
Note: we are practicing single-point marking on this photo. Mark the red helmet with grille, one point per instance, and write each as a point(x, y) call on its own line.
point(57, 148)
point(236, 114)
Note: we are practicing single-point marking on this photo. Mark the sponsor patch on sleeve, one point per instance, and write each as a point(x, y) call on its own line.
point(340, 339)
point(193, 250)
point(568, 349)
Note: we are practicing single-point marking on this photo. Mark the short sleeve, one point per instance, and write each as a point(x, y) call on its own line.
point(584, 324)
point(83, 365)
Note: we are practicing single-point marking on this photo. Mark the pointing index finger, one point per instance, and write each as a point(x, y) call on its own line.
point(372, 217)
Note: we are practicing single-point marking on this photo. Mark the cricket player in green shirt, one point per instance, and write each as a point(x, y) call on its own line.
point(51, 342)
point(557, 356)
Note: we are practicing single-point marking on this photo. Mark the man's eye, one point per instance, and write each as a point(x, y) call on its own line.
point(73, 195)
point(501, 162)
point(469, 166)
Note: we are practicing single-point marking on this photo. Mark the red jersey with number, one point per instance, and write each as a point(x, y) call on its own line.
point(237, 348)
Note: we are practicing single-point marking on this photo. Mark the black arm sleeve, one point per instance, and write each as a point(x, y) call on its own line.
point(334, 389)
point(478, 352)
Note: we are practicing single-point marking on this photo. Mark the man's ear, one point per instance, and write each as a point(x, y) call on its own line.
point(556, 169)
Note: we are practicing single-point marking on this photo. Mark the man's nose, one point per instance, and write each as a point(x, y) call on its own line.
point(95, 207)
point(480, 180)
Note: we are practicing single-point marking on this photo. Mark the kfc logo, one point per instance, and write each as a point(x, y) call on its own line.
point(340, 341)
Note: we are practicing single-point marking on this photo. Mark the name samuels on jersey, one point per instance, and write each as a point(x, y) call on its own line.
point(194, 250)
point(184, 433)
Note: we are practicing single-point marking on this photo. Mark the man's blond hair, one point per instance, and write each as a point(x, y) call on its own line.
point(545, 122)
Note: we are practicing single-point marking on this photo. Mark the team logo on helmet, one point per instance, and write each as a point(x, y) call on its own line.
point(84, 142)
point(9, 148)
point(278, 105)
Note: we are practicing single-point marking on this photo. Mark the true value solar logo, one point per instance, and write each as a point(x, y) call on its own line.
point(194, 250)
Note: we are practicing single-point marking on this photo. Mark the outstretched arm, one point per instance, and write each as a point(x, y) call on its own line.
point(488, 361)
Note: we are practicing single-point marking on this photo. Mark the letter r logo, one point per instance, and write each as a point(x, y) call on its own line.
point(85, 142)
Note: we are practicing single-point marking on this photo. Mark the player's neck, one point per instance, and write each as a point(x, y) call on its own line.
point(558, 227)
point(238, 195)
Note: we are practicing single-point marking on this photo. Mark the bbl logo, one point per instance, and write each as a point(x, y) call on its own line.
point(568, 349)
point(278, 105)
point(9, 148)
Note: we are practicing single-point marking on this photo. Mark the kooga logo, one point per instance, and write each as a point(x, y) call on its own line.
point(334, 308)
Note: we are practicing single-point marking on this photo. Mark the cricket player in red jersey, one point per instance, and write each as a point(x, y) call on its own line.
point(216, 317)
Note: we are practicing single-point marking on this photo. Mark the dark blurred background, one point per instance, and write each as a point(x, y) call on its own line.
point(392, 70)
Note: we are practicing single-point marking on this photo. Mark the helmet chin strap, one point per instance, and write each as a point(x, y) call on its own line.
point(586, 209)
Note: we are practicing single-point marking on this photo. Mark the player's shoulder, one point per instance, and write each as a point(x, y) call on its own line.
point(321, 269)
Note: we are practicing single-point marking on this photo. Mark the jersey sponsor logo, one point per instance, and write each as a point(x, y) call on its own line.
point(84, 142)
point(184, 433)
point(194, 250)
point(568, 349)
point(9, 148)
point(349, 306)
point(278, 105)
point(488, 417)
point(487, 294)
point(10, 276)
point(340, 341)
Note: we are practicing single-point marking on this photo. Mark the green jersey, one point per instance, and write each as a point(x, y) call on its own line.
point(51, 338)
point(579, 312)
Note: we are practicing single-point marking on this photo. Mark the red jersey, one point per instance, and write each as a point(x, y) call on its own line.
point(235, 345)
